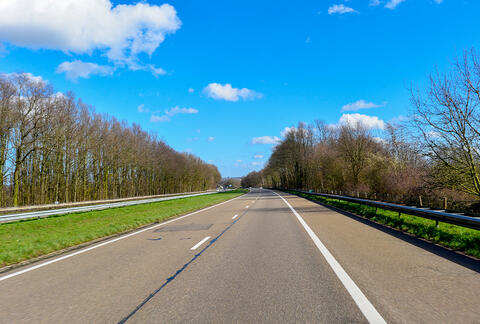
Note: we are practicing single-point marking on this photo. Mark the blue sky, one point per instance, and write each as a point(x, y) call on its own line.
point(219, 78)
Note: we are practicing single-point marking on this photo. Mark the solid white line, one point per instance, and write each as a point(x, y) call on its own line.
point(360, 299)
point(235, 216)
point(108, 242)
point(200, 243)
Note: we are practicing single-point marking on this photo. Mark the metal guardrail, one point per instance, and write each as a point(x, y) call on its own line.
point(436, 215)
point(46, 213)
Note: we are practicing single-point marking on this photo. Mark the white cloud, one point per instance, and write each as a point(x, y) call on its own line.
point(380, 140)
point(360, 104)
point(211, 139)
point(399, 119)
point(156, 119)
point(141, 108)
point(155, 71)
point(258, 156)
point(266, 140)
point(256, 163)
point(340, 9)
point(177, 110)
point(392, 4)
point(191, 90)
point(30, 76)
point(370, 122)
point(227, 92)
point(287, 130)
point(172, 112)
point(120, 32)
point(78, 69)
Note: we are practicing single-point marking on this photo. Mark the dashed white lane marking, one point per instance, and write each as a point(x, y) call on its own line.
point(108, 242)
point(235, 216)
point(360, 299)
point(200, 243)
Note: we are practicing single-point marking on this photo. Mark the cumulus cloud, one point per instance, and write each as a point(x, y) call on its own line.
point(211, 139)
point(266, 140)
point(120, 32)
point(79, 69)
point(370, 122)
point(172, 112)
point(191, 90)
point(360, 104)
point(340, 9)
point(227, 92)
point(374, 3)
point(258, 156)
point(255, 163)
point(392, 4)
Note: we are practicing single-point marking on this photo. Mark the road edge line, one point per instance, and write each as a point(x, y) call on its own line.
point(365, 306)
point(121, 237)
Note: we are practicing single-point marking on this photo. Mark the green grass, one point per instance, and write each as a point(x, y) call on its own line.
point(23, 240)
point(451, 236)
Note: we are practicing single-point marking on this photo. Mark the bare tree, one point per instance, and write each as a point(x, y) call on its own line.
point(57, 149)
point(355, 144)
point(447, 117)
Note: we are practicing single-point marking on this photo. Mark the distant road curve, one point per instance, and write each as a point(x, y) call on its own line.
point(62, 211)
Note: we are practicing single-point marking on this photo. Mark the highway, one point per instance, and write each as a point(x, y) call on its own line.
point(64, 211)
point(264, 257)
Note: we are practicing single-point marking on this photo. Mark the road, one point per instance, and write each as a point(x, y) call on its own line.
point(252, 259)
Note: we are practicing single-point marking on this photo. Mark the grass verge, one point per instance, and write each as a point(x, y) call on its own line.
point(452, 236)
point(27, 239)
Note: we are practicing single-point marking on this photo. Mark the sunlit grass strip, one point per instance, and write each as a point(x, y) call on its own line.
point(23, 240)
point(452, 236)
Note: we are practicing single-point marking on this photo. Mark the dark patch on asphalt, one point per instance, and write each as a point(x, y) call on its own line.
point(157, 239)
point(184, 228)
point(170, 279)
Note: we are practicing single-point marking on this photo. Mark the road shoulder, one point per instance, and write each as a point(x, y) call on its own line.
point(406, 282)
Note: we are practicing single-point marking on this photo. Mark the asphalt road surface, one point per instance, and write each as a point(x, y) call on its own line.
point(264, 257)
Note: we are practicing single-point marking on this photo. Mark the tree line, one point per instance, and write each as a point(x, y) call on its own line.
point(435, 153)
point(56, 148)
